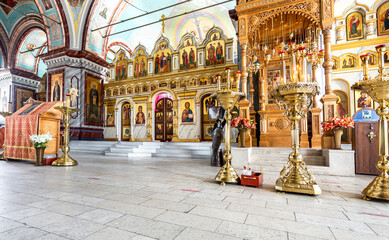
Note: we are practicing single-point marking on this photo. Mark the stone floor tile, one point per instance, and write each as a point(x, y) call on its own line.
point(44, 219)
point(366, 217)
point(189, 220)
point(126, 198)
point(111, 233)
point(168, 197)
point(351, 235)
point(296, 236)
point(249, 232)
point(222, 214)
point(168, 205)
point(51, 236)
point(7, 207)
point(73, 228)
point(101, 216)
point(80, 199)
point(289, 226)
point(62, 207)
point(206, 202)
point(267, 212)
point(257, 203)
point(136, 210)
point(380, 229)
point(140, 237)
point(22, 233)
point(195, 234)
point(147, 227)
point(23, 213)
point(7, 224)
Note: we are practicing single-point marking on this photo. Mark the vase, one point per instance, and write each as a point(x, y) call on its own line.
point(39, 156)
point(242, 138)
point(338, 132)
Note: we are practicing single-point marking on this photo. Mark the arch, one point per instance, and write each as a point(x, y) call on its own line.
point(118, 116)
point(341, 84)
point(20, 32)
point(122, 45)
point(371, 52)
point(356, 7)
point(377, 4)
point(274, 13)
point(202, 95)
point(356, 59)
point(160, 90)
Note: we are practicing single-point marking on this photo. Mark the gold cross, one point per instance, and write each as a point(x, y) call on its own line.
point(163, 17)
point(371, 136)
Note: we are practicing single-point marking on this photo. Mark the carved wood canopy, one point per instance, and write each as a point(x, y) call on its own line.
point(256, 12)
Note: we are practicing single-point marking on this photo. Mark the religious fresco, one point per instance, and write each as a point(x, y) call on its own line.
point(129, 90)
point(163, 58)
point(140, 64)
point(110, 119)
point(22, 95)
point(354, 26)
point(145, 88)
point(188, 55)
point(121, 67)
point(383, 19)
point(215, 50)
point(4, 100)
point(153, 87)
point(140, 116)
point(137, 89)
point(203, 81)
point(76, 7)
point(93, 101)
point(173, 84)
point(126, 114)
point(30, 48)
point(56, 83)
point(347, 62)
point(187, 111)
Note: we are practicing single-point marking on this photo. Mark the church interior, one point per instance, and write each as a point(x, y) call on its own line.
point(194, 119)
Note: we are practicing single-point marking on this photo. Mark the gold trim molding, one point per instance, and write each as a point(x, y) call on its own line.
point(360, 43)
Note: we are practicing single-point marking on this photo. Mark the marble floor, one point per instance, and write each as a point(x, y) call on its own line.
point(116, 198)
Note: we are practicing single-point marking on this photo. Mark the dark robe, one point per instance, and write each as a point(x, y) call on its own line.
point(94, 105)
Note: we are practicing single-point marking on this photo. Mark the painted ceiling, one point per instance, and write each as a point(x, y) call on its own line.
point(197, 23)
point(30, 49)
point(9, 17)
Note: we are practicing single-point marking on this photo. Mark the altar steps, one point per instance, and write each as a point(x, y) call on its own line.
point(90, 146)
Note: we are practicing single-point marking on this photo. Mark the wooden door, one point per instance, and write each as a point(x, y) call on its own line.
point(206, 124)
point(365, 150)
point(126, 121)
point(164, 120)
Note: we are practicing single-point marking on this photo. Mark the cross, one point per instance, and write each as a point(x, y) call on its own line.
point(371, 136)
point(163, 17)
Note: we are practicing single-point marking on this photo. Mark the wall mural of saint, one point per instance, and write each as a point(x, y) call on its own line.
point(215, 50)
point(140, 117)
point(126, 114)
point(383, 19)
point(188, 55)
point(93, 101)
point(140, 64)
point(163, 59)
point(348, 62)
point(354, 26)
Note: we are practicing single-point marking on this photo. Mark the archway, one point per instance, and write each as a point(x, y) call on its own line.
point(163, 113)
point(126, 121)
point(206, 123)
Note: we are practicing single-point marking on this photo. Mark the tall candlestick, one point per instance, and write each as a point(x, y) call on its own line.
point(218, 82)
point(67, 100)
point(9, 106)
point(238, 74)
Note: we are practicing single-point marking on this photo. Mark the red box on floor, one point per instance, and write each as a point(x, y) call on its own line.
point(255, 180)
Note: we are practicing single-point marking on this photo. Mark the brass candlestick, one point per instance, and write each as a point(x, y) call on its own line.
point(378, 89)
point(227, 99)
point(295, 176)
point(65, 159)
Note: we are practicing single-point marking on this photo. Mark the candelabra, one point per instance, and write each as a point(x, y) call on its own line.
point(295, 176)
point(227, 99)
point(378, 89)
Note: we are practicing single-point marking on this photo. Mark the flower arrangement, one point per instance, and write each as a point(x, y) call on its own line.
point(242, 123)
point(40, 141)
point(338, 122)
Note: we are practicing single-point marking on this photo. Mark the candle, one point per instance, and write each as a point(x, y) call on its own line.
point(218, 82)
point(238, 74)
point(228, 79)
point(67, 100)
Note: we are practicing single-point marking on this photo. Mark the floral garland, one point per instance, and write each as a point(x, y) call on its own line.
point(337, 123)
point(242, 123)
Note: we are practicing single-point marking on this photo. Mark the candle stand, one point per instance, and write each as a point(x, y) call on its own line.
point(295, 176)
point(65, 159)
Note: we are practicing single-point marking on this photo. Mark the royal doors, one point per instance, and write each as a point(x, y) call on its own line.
point(164, 120)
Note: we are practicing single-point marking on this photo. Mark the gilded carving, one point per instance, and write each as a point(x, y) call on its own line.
point(242, 27)
point(281, 124)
